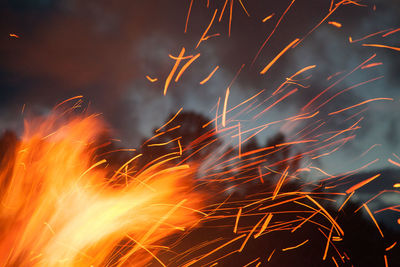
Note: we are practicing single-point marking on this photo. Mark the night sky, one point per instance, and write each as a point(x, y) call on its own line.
point(103, 50)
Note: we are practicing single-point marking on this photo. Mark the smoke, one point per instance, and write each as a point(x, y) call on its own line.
point(104, 50)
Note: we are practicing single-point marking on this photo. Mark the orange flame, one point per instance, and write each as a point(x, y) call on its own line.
point(60, 209)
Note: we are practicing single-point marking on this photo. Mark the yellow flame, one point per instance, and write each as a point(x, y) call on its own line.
point(58, 208)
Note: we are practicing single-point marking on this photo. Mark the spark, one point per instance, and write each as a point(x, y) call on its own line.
point(336, 24)
point(187, 64)
point(224, 109)
point(276, 102)
point(391, 32)
point(175, 67)
point(337, 82)
point(327, 244)
point(69, 99)
point(372, 65)
point(373, 219)
point(280, 183)
point(383, 46)
point(237, 220)
point(152, 80)
point(207, 29)
point(338, 228)
point(250, 263)
point(336, 264)
point(366, 37)
point(264, 226)
point(268, 17)
point(13, 35)
point(360, 104)
point(223, 10)
point(294, 247)
point(213, 251)
point(244, 8)
point(391, 246)
point(166, 143)
point(331, 11)
point(279, 55)
point(168, 122)
point(188, 14)
point(347, 199)
point(230, 18)
point(291, 78)
point(272, 33)
point(270, 255)
point(361, 184)
point(210, 75)
point(251, 233)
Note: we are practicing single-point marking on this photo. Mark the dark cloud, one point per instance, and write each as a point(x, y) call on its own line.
point(104, 50)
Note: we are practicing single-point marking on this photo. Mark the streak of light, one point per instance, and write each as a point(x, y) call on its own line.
point(69, 99)
point(151, 79)
point(327, 244)
point(383, 46)
point(394, 162)
point(251, 233)
point(347, 199)
point(250, 263)
point(391, 246)
point(230, 18)
point(335, 83)
point(361, 184)
point(372, 65)
point(214, 250)
point(175, 67)
point(279, 55)
point(348, 89)
point(334, 23)
point(291, 78)
point(272, 33)
point(294, 247)
point(280, 183)
point(391, 32)
point(188, 14)
point(369, 149)
point(207, 29)
point(270, 255)
point(337, 227)
point(237, 220)
point(276, 102)
point(210, 75)
point(336, 264)
point(168, 122)
point(187, 64)
point(268, 17)
point(373, 219)
point(244, 8)
point(264, 226)
point(360, 104)
point(223, 10)
point(166, 143)
point(224, 108)
point(367, 36)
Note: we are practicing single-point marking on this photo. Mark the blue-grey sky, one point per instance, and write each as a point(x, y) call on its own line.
point(104, 49)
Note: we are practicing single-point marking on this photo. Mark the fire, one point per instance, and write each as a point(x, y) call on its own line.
point(63, 204)
point(60, 207)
